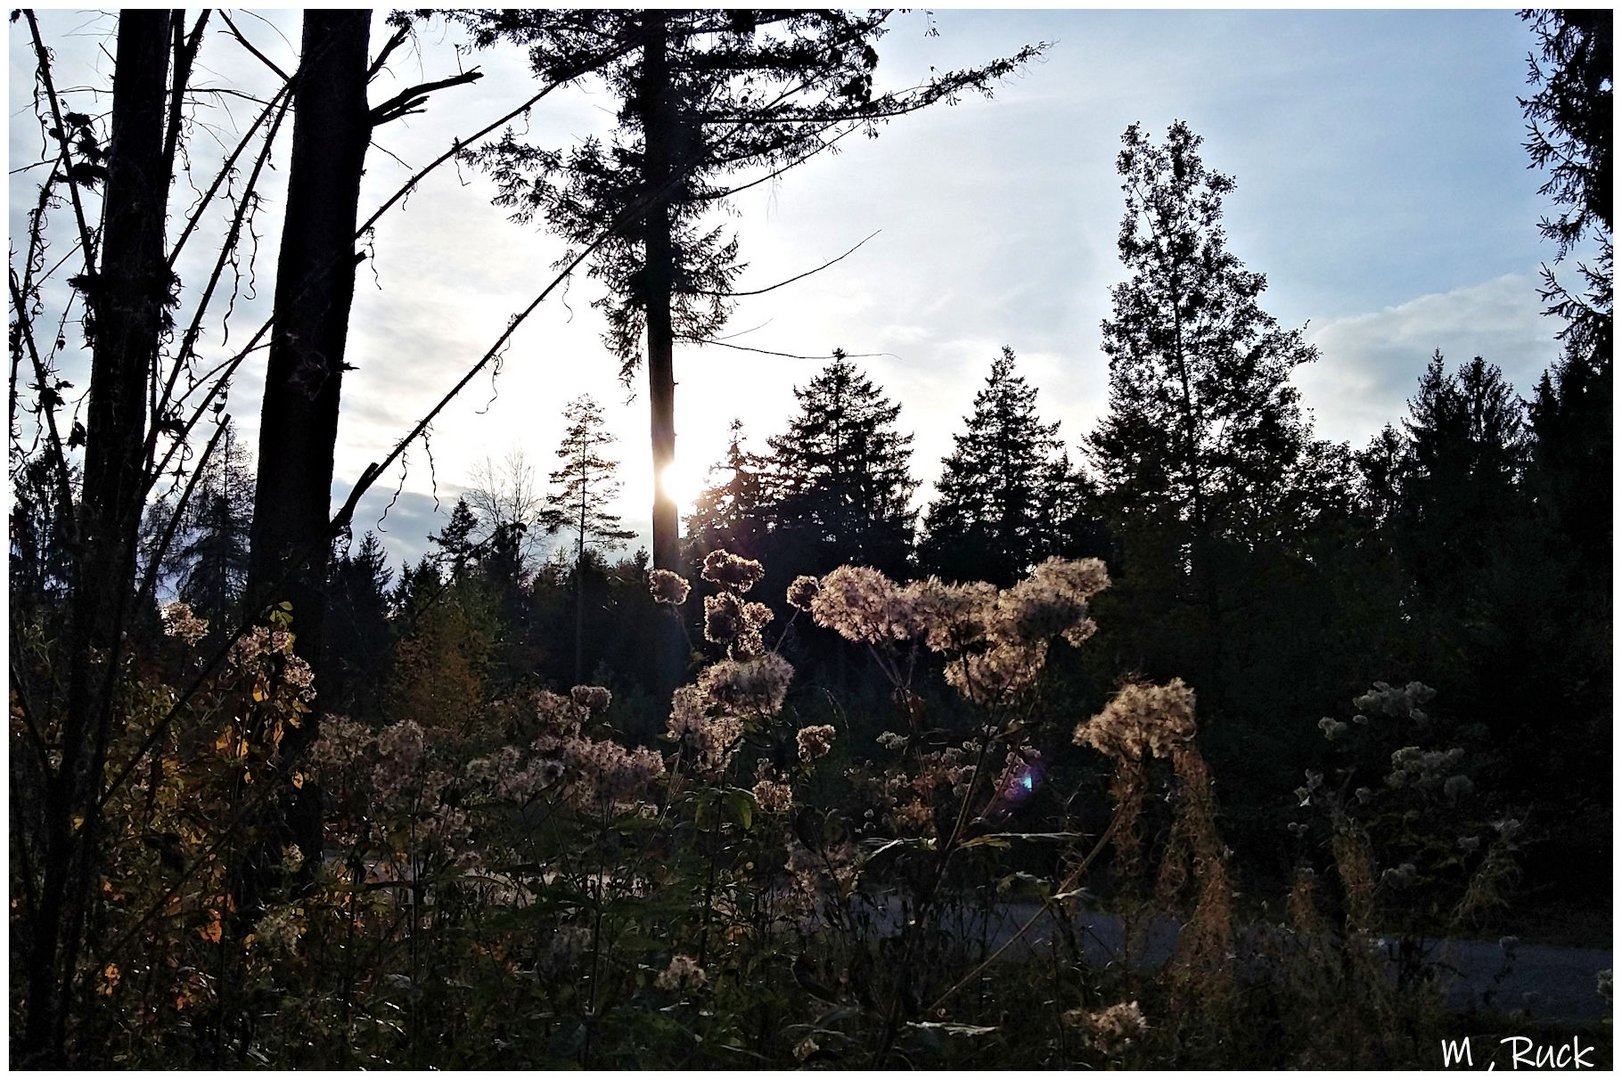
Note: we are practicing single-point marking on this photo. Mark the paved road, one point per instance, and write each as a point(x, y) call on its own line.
point(1543, 980)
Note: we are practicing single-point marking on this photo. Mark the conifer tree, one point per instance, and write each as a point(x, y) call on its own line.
point(986, 522)
point(842, 485)
point(358, 651)
point(729, 512)
point(584, 487)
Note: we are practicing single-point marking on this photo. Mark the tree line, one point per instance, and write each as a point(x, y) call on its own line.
point(1467, 545)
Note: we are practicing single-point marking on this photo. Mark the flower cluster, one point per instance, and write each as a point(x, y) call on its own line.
point(814, 742)
point(773, 796)
point(1142, 718)
point(708, 732)
point(594, 699)
point(732, 571)
point(1387, 700)
point(180, 622)
point(730, 620)
point(757, 684)
point(802, 591)
point(668, 587)
point(1113, 1030)
point(999, 638)
point(597, 770)
point(682, 974)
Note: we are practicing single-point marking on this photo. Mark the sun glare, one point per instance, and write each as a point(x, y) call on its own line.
point(683, 484)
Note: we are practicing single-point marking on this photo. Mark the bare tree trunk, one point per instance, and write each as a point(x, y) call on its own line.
point(659, 275)
point(290, 545)
point(125, 299)
point(657, 170)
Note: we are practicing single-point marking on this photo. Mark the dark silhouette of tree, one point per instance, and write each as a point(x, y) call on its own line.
point(584, 488)
point(458, 543)
point(704, 94)
point(1569, 124)
point(841, 479)
point(356, 664)
point(1466, 444)
point(333, 124)
point(987, 520)
point(1204, 430)
point(729, 513)
point(211, 556)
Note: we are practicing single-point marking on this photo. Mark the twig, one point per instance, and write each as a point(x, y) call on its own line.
point(792, 280)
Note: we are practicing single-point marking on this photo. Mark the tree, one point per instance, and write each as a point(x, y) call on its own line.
point(840, 473)
point(584, 488)
point(704, 94)
point(126, 299)
point(212, 556)
point(729, 512)
point(356, 661)
point(1204, 429)
point(1569, 124)
point(986, 523)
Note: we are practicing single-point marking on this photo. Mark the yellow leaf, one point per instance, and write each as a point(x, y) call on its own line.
point(213, 930)
point(298, 779)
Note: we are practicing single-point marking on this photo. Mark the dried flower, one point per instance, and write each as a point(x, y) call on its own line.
point(667, 587)
point(773, 797)
point(732, 571)
point(802, 590)
point(814, 742)
point(1112, 1030)
point(808, 1046)
point(682, 974)
point(862, 605)
point(594, 699)
point(723, 617)
point(756, 684)
point(180, 622)
point(1140, 718)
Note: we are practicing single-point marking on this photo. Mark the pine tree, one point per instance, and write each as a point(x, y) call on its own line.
point(359, 648)
point(987, 520)
point(840, 473)
point(729, 512)
point(584, 488)
point(211, 553)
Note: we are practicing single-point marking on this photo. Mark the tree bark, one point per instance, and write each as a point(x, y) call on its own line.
point(315, 286)
point(658, 282)
point(125, 301)
point(290, 545)
point(659, 275)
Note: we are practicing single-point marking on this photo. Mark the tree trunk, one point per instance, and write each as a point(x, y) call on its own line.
point(659, 272)
point(125, 300)
point(658, 278)
point(290, 546)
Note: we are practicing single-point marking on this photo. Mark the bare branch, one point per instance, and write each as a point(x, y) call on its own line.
point(393, 43)
point(409, 101)
point(246, 44)
point(797, 277)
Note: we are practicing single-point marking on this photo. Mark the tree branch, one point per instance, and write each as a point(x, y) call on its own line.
point(246, 44)
point(406, 102)
point(792, 280)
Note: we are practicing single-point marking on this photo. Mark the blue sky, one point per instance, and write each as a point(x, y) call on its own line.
point(1382, 188)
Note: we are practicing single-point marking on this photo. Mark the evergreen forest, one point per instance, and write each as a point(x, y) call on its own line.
point(1188, 738)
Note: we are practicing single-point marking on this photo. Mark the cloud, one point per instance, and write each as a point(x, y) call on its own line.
point(1369, 364)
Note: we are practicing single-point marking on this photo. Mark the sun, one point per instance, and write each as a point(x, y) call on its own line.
point(683, 483)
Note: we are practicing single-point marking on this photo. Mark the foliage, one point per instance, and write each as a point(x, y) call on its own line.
point(986, 522)
point(841, 481)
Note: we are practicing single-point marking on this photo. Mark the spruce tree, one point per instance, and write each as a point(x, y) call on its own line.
point(729, 512)
point(986, 522)
point(583, 489)
point(840, 473)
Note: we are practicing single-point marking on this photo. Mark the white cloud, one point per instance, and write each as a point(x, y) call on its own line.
point(1369, 364)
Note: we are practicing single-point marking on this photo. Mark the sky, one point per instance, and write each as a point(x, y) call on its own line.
point(1382, 188)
